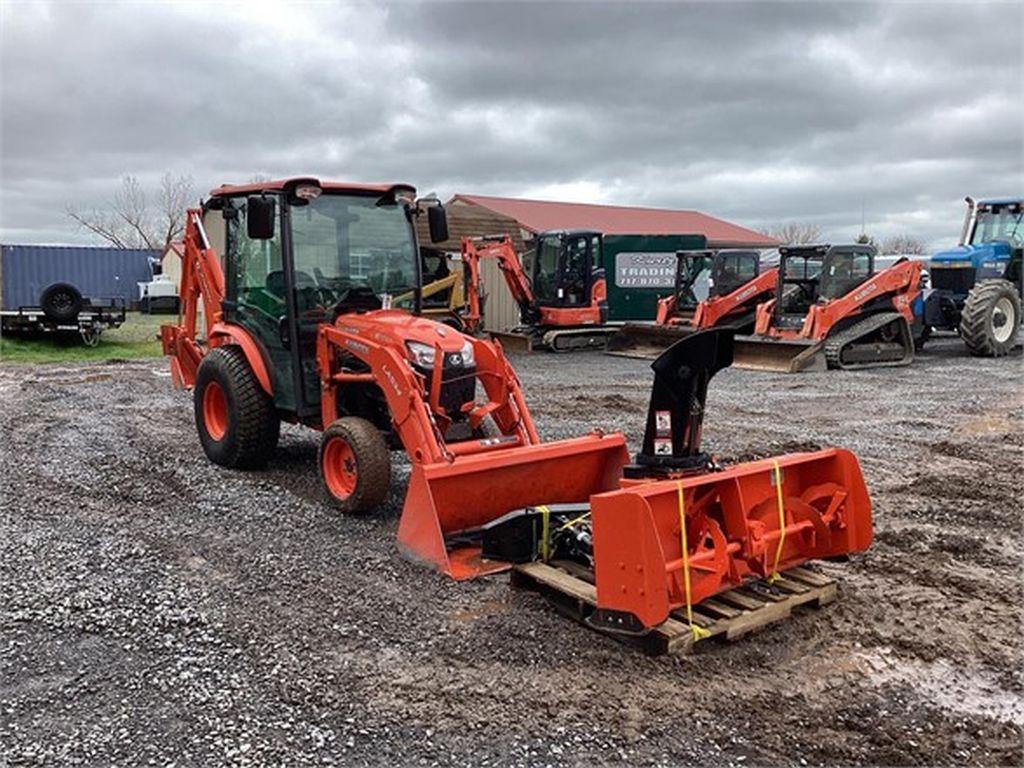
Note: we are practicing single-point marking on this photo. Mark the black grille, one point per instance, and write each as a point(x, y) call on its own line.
point(955, 279)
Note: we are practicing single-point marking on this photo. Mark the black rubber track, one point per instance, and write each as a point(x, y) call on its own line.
point(253, 425)
point(975, 319)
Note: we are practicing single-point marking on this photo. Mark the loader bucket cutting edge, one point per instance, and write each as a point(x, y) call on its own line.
point(445, 499)
point(732, 530)
point(791, 356)
point(645, 340)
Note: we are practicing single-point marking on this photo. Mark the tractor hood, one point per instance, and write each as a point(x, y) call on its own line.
point(975, 256)
point(398, 328)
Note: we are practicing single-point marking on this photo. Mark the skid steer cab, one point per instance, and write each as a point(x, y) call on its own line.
point(298, 326)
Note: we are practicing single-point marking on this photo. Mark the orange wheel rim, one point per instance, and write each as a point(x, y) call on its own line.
point(339, 468)
point(215, 411)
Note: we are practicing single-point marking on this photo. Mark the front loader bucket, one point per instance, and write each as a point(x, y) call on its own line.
point(734, 531)
point(447, 499)
point(760, 353)
point(646, 340)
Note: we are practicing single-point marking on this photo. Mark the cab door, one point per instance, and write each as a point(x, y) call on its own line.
point(256, 296)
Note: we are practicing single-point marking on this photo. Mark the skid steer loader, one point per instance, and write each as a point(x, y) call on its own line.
point(737, 282)
point(832, 310)
point(298, 328)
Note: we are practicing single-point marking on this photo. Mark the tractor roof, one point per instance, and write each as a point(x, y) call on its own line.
point(278, 185)
point(1001, 201)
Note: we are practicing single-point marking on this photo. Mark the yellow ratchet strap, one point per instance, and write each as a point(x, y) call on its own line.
point(782, 521)
point(545, 532)
point(699, 633)
point(574, 522)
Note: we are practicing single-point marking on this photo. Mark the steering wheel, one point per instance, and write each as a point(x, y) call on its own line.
point(358, 298)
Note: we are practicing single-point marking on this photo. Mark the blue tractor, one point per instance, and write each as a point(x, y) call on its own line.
point(976, 287)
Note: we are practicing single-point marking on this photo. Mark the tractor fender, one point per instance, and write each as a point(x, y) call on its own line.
point(229, 333)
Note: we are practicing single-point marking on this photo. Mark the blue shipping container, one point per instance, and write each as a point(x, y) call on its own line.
point(99, 273)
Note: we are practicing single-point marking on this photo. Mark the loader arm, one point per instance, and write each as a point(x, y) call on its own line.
point(901, 282)
point(713, 310)
point(499, 248)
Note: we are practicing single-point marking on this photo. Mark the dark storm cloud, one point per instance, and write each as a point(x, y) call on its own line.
point(758, 112)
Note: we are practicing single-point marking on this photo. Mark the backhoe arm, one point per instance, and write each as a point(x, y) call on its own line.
point(499, 248)
point(202, 279)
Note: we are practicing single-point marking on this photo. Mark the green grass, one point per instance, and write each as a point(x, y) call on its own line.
point(135, 339)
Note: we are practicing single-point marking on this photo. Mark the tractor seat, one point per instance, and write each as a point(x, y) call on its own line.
point(276, 283)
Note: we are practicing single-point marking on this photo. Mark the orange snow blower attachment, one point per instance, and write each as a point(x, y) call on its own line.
point(678, 532)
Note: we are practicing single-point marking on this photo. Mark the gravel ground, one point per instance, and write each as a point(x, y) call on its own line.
point(157, 609)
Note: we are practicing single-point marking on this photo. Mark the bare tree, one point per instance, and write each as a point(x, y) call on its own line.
point(904, 244)
point(796, 233)
point(131, 220)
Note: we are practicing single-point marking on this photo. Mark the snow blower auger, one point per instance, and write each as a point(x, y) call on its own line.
point(680, 528)
point(298, 329)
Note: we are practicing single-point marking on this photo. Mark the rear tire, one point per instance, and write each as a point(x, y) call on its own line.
point(61, 302)
point(235, 418)
point(355, 465)
point(990, 320)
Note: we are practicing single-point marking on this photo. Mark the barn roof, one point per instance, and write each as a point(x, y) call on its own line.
point(540, 215)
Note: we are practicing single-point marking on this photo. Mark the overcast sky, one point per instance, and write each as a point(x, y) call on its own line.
point(755, 112)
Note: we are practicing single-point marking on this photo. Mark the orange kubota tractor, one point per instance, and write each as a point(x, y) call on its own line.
point(298, 328)
point(833, 310)
point(737, 282)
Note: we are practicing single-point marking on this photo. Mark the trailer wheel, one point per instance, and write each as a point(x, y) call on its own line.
point(990, 319)
point(61, 302)
point(235, 418)
point(355, 465)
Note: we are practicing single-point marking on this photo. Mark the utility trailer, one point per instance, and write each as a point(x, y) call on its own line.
point(94, 317)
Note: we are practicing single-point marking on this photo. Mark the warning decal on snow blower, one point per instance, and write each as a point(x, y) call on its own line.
point(663, 433)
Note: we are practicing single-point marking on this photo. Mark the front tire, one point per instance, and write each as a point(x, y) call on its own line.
point(355, 465)
point(235, 418)
point(990, 320)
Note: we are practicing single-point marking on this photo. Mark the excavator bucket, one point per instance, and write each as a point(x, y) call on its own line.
point(646, 340)
point(448, 502)
point(750, 521)
point(761, 353)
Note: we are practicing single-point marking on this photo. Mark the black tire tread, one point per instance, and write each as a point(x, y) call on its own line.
point(373, 460)
point(56, 313)
point(974, 318)
point(256, 425)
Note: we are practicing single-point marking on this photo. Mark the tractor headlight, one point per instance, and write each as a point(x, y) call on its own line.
point(468, 358)
point(423, 355)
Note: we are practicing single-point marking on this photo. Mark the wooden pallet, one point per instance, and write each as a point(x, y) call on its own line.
point(727, 616)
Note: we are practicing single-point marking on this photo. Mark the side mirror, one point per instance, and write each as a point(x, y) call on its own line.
point(437, 218)
point(259, 219)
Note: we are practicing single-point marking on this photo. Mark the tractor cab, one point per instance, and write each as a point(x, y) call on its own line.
point(564, 267)
point(299, 254)
point(990, 247)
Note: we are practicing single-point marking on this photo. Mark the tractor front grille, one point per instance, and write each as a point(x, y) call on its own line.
point(955, 279)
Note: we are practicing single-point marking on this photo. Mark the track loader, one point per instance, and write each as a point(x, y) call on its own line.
point(737, 283)
point(298, 328)
point(833, 310)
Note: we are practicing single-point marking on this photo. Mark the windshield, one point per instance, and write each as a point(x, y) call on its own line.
point(341, 241)
point(1002, 225)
